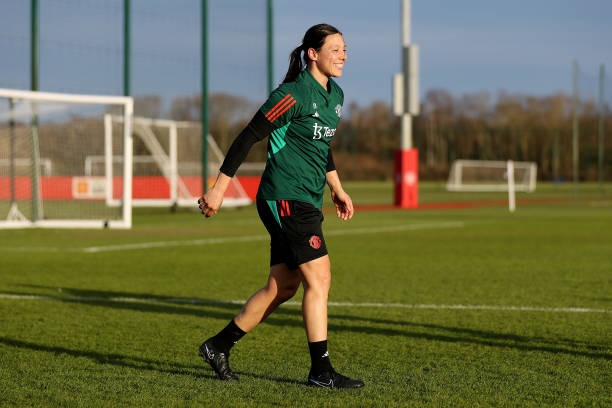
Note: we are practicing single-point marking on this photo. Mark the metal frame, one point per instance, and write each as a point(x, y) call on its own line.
point(171, 173)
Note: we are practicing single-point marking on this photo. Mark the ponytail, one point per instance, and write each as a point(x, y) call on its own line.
point(295, 65)
point(314, 38)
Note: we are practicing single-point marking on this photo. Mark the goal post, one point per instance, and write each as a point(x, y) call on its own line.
point(489, 175)
point(167, 166)
point(57, 130)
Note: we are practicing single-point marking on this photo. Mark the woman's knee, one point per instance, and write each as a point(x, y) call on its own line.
point(287, 292)
point(316, 275)
point(320, 291)
point(318, 285)
point(283, 283)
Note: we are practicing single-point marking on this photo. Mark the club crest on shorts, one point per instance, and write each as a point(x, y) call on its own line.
point(315, 242)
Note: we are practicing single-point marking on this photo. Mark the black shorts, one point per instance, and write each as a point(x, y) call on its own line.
point(295, 231)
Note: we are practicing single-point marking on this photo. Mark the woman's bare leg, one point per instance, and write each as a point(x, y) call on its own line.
point(282, 285)
point(316, 278)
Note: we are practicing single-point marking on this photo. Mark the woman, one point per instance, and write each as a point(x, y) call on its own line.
point(300, 119)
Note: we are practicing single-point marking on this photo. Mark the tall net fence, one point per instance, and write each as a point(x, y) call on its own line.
point(523, 127)
point(81, 50)
point(594, 110)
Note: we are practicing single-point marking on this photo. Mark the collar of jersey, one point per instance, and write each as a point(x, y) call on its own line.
point(316, 85)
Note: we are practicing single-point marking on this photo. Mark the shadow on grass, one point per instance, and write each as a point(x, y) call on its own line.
point(284, 317)
point(489, 335)
point(136, 362)
point(113, 359)
point(600, 299)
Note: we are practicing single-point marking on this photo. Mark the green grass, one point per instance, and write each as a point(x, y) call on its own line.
point(85, 346)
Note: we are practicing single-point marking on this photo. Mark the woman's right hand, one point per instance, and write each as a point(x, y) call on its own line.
point(210, 202)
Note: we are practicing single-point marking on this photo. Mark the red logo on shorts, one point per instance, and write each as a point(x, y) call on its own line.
point(315, 242)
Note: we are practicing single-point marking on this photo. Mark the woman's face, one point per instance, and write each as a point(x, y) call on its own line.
point(329, 59)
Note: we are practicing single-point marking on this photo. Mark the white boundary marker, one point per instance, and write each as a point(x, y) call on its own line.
point(7, 296)
point(234, 239)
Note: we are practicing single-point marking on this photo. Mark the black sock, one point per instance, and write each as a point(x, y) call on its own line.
point(319, 357)
point(229, 336)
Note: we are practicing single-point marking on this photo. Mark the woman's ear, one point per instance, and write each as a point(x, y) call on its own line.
point(313, 55)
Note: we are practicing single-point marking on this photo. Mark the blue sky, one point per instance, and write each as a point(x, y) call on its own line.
point(465, 46)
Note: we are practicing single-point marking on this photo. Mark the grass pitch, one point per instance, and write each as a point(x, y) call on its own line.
point(468, 307)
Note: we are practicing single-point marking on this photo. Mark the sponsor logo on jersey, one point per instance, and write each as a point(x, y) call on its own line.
point(315, 242)
point(322, 131)
point(339, 110)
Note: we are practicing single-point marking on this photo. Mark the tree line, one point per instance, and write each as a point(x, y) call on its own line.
point(472, 126)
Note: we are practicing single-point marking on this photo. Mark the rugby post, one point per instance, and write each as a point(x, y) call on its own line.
point(406, 105)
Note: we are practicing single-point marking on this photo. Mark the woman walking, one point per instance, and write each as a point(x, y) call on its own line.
point(299, 119)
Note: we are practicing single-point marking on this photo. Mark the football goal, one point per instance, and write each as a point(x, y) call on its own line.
point(167, 165)
point(487, 175)
point(44, 139)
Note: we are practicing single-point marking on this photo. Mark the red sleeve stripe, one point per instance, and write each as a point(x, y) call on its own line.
point(285, 109)
point(288, 96)
point(280, 108)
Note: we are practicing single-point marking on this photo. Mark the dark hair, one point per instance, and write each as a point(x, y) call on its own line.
point(314, 38)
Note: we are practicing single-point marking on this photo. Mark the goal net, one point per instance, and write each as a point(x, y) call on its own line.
point(167, 164)
point(44, 139)
point(487, 175)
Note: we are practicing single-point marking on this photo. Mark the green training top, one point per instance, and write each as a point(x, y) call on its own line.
point(305, 116)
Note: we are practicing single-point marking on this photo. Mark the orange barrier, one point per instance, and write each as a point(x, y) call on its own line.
point(63, 188)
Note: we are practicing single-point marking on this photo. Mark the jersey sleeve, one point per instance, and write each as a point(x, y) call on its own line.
point(257, 129)
point(281, 107)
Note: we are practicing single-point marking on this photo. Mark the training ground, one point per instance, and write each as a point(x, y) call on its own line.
point(459, 303)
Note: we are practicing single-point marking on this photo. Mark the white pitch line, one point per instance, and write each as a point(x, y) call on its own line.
point(163, 244)
point(408, 227)
point(7, 296)
point(224, 240)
